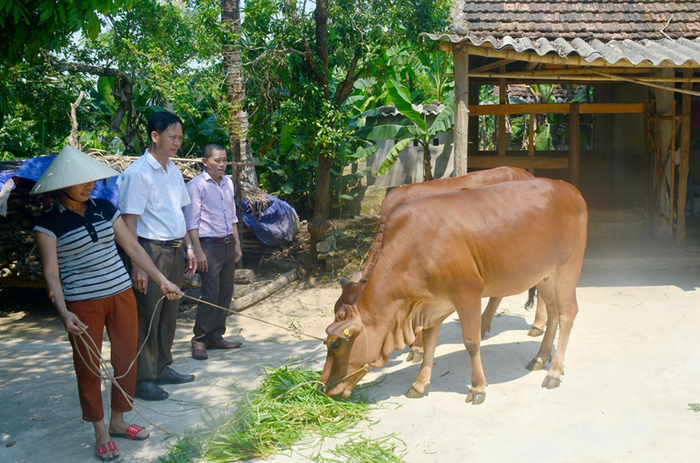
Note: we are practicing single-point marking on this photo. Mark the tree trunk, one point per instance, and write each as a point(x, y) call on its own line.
point(319, 225)
point(427, 168)
point(235, 92)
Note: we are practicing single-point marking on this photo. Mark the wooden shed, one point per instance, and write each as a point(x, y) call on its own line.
point(641, 59)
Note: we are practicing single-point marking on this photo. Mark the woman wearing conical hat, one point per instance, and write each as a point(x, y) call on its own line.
point(90, 288)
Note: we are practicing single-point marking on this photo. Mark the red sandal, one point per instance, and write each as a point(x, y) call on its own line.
point(104, 448)
point(131, 433)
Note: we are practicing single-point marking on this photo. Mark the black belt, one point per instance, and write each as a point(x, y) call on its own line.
point(225, 240)
point(169, 243)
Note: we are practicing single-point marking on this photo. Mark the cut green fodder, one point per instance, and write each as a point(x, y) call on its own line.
point(363, 450)
point(285, 411)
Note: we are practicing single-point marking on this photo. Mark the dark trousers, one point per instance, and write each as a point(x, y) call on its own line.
point(118, 314)
point(217, 288)
point(157, 321)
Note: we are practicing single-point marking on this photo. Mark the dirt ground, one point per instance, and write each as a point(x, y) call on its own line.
point(632, 369)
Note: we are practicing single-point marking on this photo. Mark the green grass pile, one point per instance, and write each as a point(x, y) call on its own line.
point(285, 410)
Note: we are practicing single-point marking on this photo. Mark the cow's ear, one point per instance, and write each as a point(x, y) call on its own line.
point(355, 278)
point(345, 328)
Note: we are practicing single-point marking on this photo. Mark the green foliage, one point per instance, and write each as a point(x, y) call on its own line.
point(551, 130)
point(35, 110)
point(363, 450)
point(414, 127)
point(694, 407)
point(27, 26)
point(289, 126)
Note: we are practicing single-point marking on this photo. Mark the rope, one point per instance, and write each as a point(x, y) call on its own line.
point(99, 367)
point(297, 332)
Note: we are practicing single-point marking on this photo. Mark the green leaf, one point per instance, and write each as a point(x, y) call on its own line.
point(544, 139)
point(362, 84)
point(444, 121)
point(287, 138)
point(363, 153)
point(384, 131)
point(392, 156)
point(402, 99)
point(287, 188)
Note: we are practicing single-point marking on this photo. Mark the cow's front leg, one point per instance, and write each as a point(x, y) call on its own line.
point(430, 338)
point(470, 320)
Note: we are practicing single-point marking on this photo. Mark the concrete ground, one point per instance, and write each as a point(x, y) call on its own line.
point(632, 369)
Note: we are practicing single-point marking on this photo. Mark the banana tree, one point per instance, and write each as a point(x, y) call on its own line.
point(413, 128)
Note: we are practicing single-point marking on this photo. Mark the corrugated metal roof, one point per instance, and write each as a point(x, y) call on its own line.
point(429, 109)
point(586, 19)
point(644, 52)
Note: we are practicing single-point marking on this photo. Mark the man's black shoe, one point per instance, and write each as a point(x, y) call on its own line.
point(147, 390)
point(174, 377)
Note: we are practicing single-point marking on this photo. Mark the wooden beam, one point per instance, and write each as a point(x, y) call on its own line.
point(490, 66)
point(524, 162)
point(461, 130)
point(684, 166)
point(574, 145)
point(581, 76)
point(555, 108)
point(502, 95)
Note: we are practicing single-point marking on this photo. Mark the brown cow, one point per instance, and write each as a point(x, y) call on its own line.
point(500, 240)
point(398, 196)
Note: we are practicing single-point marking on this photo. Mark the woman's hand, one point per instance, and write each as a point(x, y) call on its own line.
point(171, 290)
point(73, 324)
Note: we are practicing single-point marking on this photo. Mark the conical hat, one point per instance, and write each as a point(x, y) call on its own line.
point(72, 167)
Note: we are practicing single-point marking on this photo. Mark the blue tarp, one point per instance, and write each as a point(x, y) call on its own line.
point(276, 226)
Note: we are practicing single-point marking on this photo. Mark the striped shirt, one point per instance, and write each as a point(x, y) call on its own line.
point(88, 262)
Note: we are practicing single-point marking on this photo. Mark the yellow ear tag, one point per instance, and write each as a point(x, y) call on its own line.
point(346, 332)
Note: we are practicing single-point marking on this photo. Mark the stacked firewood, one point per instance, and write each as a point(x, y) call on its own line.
point(20, 264)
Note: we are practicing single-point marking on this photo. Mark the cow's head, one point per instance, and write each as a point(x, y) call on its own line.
point(347, 345)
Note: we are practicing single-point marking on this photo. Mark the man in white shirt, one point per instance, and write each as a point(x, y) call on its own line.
point(152, 194)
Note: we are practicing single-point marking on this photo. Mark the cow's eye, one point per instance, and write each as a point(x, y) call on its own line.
point(334, 344)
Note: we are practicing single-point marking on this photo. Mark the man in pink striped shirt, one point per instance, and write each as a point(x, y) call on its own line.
point(211, 223)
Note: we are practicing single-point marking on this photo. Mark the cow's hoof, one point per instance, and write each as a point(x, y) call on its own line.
point(475, 397)
point(414, 393)
point(535, 364)
point(551, 382)
point(535, 331)
point(414, 357)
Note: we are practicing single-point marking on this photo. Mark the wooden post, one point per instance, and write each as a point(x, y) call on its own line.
point(684, 166)
point(574, 144)
point(502, 99)
point(461, 69)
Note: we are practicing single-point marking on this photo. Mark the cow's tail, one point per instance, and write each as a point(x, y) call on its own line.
point(530, 297)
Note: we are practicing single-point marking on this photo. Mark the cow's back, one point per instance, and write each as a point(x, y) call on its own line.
point(504, 237)
point(399, 195)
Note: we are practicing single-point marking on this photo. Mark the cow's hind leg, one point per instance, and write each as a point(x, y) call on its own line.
point(417, 351)
point(545, 291)
point(430, 339)
point(538, 325)
point(567, 310)
point(489, 313)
